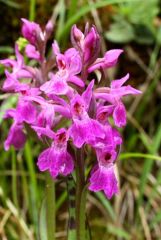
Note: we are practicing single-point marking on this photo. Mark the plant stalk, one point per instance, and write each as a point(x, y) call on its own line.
point(80, 196)
point(32, 10)
point(50, 207)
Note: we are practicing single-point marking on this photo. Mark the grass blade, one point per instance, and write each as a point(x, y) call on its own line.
point(11, 4)
point(33, 182)
point(14, 178)
point(106, 205)
point(118, 232)
point(139, 155)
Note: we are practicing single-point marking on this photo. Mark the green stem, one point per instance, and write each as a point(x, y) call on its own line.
point(50, 207)
point(14, 178)
point(32, 10)
point(72, 212)
point(82, 215)
point(80, 197)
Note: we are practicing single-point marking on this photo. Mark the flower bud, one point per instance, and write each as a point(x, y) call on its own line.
point(91, 46)
point(31, 31)
point(49, 28)
point(77, 37)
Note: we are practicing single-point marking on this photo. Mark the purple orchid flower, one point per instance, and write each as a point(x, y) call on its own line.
point(109, 60)
point(69, 65)
point(103, 176)
point(24, 113)
point(103, 179)
point(88, 44)
point(113, 96)
point(42, 112)
point(11, 84)
point(19, 70)
point(56, 159)
point(57, 90)
point(18, 66)
point(84, 129)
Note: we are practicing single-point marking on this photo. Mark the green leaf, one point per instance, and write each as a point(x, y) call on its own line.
point(11, 4)
point(106, 204)
point(139, 155)
point(61, 20)
point(120, 32)
point(6, 49)
point(149, 164)
point(32, 182)
point(143, 35)
point(61, 200)
point(42, 221)
point(142, 12)
point(156, 219)
point(119, 232)
point(159, 36)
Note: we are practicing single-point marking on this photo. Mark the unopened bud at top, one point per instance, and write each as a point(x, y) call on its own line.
point(49, 28)
point(91, 46)
point(77, 37)
point(31, 31)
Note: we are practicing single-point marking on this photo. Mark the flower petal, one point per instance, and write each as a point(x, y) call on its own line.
point(118, 83)
point(16, 137)
point(45, 158)
point(85, 131)
point(87, 94)
point(76, 80)
point(31, 52)
point(119, 115)
point(104, 179)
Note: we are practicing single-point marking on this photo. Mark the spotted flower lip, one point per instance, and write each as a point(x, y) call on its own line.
point(103, 178)
point(84, 129)
point(66, 110)
point(56, 159)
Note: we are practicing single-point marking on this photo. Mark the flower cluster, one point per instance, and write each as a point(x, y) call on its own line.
point(58, 87)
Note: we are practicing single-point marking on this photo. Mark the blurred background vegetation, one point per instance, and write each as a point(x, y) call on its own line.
point(135, 26)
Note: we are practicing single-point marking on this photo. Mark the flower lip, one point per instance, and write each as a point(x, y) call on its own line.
point(62, 64)
point(61, 137)
point(78, 108)
point(107, 156)
point(102, 116)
